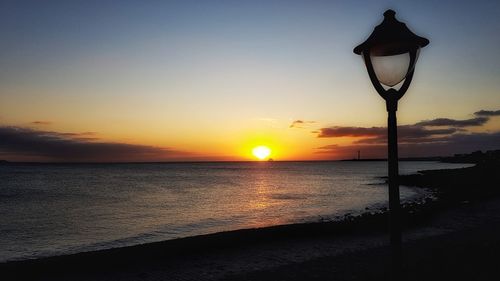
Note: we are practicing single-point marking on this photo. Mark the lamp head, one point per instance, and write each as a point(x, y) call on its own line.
point(391, 51)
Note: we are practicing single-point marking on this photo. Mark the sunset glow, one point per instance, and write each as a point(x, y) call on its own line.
point(261, 152)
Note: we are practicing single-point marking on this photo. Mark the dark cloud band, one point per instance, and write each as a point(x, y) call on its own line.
point(415, 140)
point(457, 143)
point(27, 143)
point(404, 132)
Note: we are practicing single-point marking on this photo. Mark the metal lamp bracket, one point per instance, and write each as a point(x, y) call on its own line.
point(391, 95)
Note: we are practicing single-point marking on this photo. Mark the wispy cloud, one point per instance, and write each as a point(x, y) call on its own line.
point(487, 113)
point(37, 145)
point(478, 121)
point(41, 122)
point(301, 123)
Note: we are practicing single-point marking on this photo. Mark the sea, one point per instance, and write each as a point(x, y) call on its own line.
point(56, 209)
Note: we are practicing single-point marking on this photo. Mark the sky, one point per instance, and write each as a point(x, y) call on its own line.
point(188, 80)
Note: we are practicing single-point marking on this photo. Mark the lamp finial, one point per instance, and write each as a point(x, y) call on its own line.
point(389, 14)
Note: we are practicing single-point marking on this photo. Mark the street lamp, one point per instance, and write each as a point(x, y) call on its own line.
point(390, 54)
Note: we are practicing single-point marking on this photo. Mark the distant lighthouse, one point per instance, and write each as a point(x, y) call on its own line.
point(359, 154)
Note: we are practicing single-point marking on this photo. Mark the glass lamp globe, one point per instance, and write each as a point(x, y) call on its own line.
point(391, 69)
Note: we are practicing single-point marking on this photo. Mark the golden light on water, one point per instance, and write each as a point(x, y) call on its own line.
point(261, 152)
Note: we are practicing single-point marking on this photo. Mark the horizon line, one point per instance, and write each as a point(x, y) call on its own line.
point(429, 158)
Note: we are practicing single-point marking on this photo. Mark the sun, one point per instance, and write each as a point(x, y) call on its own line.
point(261, 152)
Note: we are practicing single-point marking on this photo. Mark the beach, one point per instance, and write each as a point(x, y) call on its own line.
point(452, 237)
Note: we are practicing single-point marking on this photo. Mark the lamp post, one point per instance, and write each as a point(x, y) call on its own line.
point(390, 54)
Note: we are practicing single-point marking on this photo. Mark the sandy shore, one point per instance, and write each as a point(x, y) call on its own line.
point(454, 240)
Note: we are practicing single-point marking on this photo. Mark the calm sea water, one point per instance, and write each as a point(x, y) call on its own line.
point(50, 210)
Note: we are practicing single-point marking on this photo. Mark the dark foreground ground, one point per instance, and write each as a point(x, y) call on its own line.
point(456, 238)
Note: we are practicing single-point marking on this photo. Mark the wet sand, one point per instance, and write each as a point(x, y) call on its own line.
point(453, 240)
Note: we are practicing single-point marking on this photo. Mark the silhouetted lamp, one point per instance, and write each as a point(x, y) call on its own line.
point(390, 54)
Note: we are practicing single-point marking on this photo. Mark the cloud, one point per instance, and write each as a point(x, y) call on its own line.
point(379, 134)
point(419, 139)
point(40, 122)
point(478, 121)
point(24, 144)
point(487, 113)
point(338, 131)
point(300, 123)
point(449, 145)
